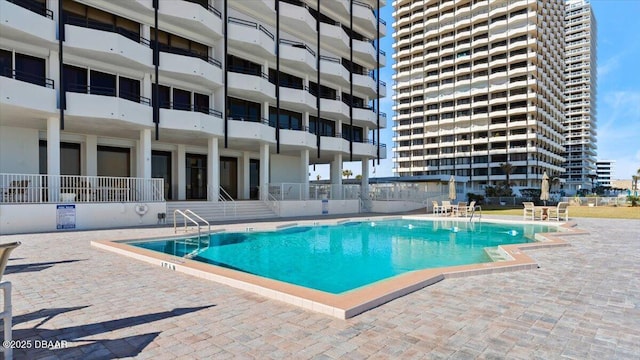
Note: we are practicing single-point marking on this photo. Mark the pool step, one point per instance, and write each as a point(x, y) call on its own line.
point(497, 254)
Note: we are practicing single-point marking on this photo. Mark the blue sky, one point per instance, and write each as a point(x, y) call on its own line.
point(618, 99)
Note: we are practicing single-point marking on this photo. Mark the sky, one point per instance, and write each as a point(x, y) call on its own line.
point(618, 98)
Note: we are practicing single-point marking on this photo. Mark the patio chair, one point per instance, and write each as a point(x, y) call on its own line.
point(466, 210)
point(529, 211)
point(437, 209)
point(560, 211)
point(446, 207)
point(460, 208)
point(6, 314)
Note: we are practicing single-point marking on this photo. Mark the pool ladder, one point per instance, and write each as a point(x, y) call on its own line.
point(473, 211)
point(185, 215)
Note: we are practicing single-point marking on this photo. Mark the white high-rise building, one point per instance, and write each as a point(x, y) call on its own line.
point(580, 94)
point(604, 171)
point(478, 87)
point(89, 88)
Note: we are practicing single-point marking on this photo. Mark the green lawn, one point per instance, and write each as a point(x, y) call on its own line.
point(605, 212)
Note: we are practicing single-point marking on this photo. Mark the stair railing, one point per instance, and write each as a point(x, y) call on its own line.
point(226, 199)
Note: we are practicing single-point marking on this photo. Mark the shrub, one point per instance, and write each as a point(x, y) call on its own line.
point(475, 197)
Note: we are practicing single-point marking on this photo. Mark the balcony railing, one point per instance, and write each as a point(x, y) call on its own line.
point(34, 189)
point(34, 6)
point(209, 7)
point(97, 25)
point(298, 44)
point(187, 52)
point(107, 91)
point(234, 20)
point(27, 77)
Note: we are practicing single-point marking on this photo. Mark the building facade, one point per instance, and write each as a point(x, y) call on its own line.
point(479, 90)
point(604, 171)
point(580, 94)
point(186, 91)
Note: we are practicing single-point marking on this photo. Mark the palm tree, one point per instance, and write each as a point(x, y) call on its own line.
point(507, 169)
point(592, 177)
point(347, 173)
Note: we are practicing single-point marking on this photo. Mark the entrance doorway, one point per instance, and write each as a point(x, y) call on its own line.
point(254, 179)
point(196, 176)
point(229, 175)
point(161, 168)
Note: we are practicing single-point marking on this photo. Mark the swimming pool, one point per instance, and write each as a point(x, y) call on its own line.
point(340, 258)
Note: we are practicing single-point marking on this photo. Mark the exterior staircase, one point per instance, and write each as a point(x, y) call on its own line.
point(223, 211)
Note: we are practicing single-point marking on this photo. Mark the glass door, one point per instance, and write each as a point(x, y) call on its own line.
point(254, 179)
point(161, 168)
point(229, 175)
point(196, 177)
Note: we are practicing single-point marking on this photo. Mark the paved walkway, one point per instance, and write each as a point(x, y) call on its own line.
point(583, 302)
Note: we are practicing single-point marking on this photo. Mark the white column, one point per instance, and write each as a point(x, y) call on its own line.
point(336, 176)
point(53, 157)
point(144, 154)
point(304, 173)
point(91, 155)
point(182, 172)
point(264, 171)
point(265, 112)
point(147, 86)
point(364, 185)
point(245, 176)
point(146, 31)
point(213, 169)
point(53, 6)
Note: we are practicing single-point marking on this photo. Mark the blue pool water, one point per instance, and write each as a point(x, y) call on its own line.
point(340, 258)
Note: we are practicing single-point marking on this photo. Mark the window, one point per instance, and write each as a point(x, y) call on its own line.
point(6, 63)
point(114, 161)
point(244, 110)
point(129, 89)
point(325, 127)
point(81, 15)
point(201, 103)
point(243, 66)
point(75, 79)
point(175, 44)
point(181, 99)
point(164, 96)
point(289, 120)
point(286, 80)
point(354, 133)
point(30, 69)
point(69, 158)
point(102, 84)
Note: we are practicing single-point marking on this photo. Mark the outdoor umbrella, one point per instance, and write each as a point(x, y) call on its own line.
point(452, 188)
point(544, 188)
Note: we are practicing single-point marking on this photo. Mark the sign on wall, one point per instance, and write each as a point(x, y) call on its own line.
point(325, 207)
point(65, 216)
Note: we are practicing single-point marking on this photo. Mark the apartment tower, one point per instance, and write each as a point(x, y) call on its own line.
point(213, 96)
point(479, 90)
point(580, 94)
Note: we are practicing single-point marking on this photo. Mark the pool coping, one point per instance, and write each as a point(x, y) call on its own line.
point(354, 302)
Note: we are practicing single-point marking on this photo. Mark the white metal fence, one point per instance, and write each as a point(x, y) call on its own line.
point(34, 188)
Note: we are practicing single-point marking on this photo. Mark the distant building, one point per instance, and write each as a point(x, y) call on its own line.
point(604, 169)
point(479, 84)
point(580, 94)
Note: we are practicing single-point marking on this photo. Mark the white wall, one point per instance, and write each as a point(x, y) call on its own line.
point(395, 206)
point(285, 169)
point(26, 218)
point(19, 150)
point(314, 207)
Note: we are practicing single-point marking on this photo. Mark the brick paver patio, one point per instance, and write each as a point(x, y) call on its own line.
point(583, 302)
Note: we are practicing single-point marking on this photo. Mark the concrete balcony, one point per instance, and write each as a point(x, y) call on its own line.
point(299, 18)
point(298, 56)
point(334, 37)
point(297, 138)
point(258, 9)
point(26, 26)
point(191, 16)
point(256, 87)
point(334, 108)
point(332, 70)
point(191, 69)
point(297, 99)
point(251, 37)
point(26, 96)
point(364, 18)
point(105, 111)
point(364, 53)
point(107, 46)
point(334, 144)
point(249, 130)
point(191, 121)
